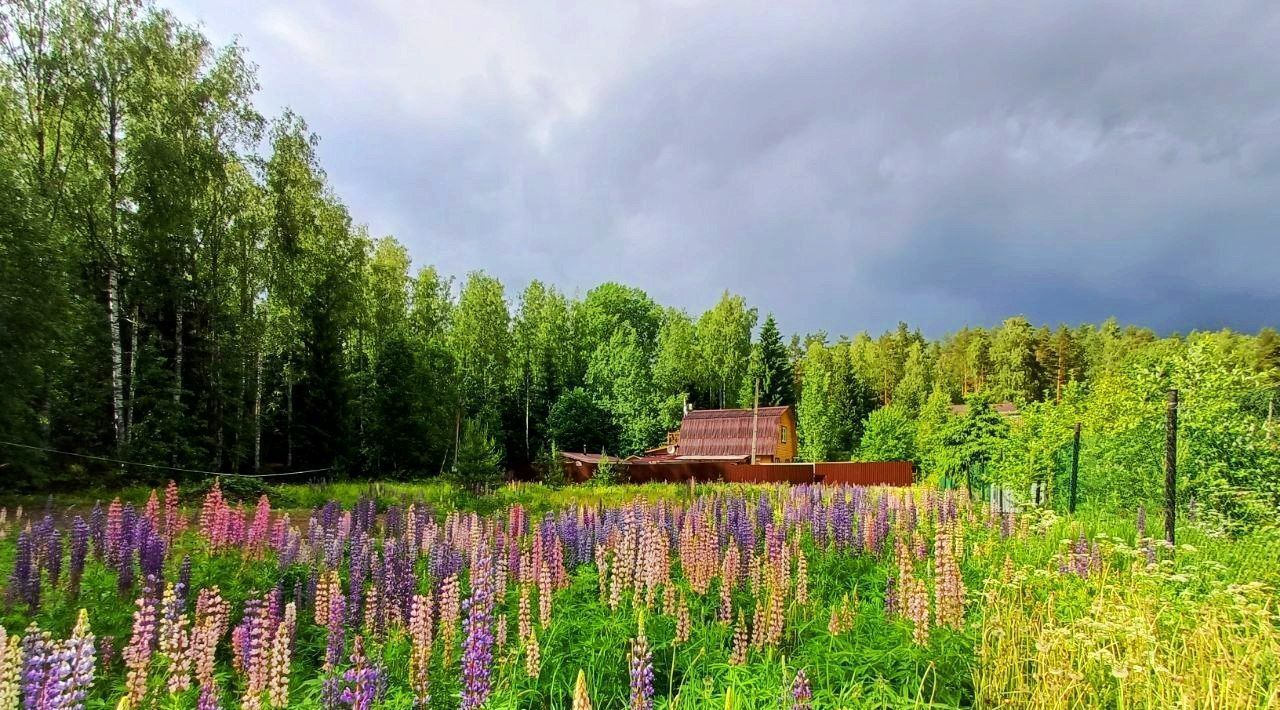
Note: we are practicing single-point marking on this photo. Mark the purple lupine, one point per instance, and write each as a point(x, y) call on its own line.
point(208, 699)
point(79, 552)
point(77, 667)
point(477, 653)
point(801, 693)
point(1006, 525)
point(37, 665)
point(183, 586)
point(362, 682)
point(151, 553)
point(98, 530)
point(24, 581)
point(891, 595)
point(640, 666)
point(336, 631)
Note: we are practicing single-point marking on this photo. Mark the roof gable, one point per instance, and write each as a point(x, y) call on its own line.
point(728, 432)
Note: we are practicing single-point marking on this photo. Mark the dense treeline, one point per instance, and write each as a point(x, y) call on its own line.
point(180, 285)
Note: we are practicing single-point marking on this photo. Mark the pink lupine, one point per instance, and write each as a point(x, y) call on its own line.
point(420, 652)
point(738, 654)
point(137, 655)
point(211, 513)
point(802, 578)
point(211, 622)
point(544, 596)
point(948, 586)
point(175, 641)
point(450, 611)
point(152, 510)
point(256, 537)
point(684, 623)
point(916, 599)
point(174, 522)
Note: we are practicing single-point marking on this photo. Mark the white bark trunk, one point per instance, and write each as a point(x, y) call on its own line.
point(257, 416)
point(178, 354)
point(117, 356)
point(133, 371)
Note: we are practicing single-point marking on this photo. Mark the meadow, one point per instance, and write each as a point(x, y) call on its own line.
point(657, 596)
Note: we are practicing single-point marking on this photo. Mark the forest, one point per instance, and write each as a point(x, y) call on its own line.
point(180, 285)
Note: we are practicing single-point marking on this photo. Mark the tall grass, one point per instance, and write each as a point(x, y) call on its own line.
point(1169, 634)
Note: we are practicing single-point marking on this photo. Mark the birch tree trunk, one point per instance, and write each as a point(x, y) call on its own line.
point(134, 318)
point(257, 415)
point(117, 356)
point(178, 354)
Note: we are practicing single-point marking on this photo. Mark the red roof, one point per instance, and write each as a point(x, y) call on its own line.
point(727, 432)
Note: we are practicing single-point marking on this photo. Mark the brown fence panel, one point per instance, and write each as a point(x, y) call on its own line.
point(880, 473)
point(866, 473)
point(675, 471)
point(770, 473)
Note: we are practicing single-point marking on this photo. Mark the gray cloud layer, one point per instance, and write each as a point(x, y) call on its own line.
point(845, 165)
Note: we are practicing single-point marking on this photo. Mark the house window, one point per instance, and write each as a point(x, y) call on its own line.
point(784, 435)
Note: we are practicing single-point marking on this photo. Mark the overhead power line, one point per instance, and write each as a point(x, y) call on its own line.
point(161, 467)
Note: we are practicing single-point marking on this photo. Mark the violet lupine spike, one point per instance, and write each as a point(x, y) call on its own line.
point(37, 650)
point(801, 693)
point(98, 530)
point(362, 682)
point(79, 552)
point(24, 581)
point(640, 667)
point(477, 655)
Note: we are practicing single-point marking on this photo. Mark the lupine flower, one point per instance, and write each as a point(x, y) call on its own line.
point(801, 693)
point(362, 682)
point(175, 641)
point(10, 670)
point(581, 700)
point(24, 581)
point(78, 666)
point(137, 655)
point(948, 586)
point(842, 617)
point(450, 610)
point(420, 652)
point(916, 598)
point(477, 656)
point(738, 654)
point(640, 664)
point(684, 625)
point(281, 658)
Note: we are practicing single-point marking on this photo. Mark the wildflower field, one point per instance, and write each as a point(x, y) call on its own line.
point(628, 597)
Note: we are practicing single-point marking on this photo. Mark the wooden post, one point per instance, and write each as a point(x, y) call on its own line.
point(1170, 465)
point(755, 420)
point(1075, 467)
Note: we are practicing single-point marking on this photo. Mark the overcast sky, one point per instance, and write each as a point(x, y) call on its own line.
point(842, 164)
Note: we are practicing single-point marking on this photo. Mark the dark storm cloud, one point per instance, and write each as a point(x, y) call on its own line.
point(845, 165)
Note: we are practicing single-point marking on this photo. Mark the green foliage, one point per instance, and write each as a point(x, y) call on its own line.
point(724, 339)
point(889, 434)
point(551, 467)
point(479, 458)
point(577, 423)
point(620, 380)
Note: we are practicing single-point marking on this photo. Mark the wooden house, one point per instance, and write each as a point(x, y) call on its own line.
point(728, 434)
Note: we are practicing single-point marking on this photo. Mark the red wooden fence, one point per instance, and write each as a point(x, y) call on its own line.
point(854, 473)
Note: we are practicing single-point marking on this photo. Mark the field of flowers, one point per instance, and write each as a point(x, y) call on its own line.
point(636, 597)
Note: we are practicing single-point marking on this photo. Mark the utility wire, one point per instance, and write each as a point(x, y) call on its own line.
point(158, 466)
